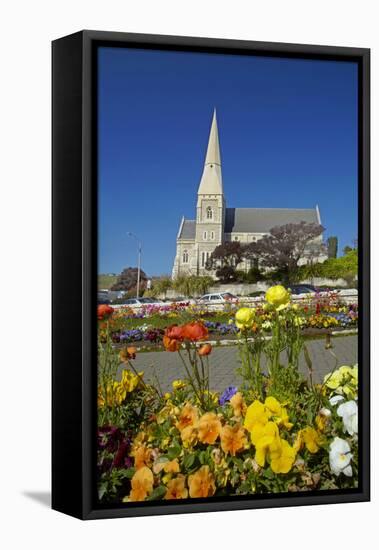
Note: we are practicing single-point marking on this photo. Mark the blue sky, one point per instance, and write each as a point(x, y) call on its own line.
point(288, 138)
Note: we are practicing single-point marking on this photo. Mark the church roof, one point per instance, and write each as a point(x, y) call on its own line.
point(187, 230)
point(261, 220)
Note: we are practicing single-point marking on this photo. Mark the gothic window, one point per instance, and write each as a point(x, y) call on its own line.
point(209, 213)
point(204, 236)
point(185, 256)
point(212, 235)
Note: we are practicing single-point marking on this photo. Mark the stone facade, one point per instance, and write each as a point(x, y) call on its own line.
point(215, 223)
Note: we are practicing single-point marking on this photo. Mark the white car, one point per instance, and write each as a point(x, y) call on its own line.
point(142, 302)
point(221, 298)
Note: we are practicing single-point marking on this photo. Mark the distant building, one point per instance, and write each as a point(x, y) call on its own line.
point(215, 223)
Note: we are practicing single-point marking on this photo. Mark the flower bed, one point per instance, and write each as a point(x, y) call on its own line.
point(275, 433)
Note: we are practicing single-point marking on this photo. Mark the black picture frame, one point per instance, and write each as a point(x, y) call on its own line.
point(74, 270)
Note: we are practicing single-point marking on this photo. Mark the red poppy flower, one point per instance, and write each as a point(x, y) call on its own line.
point(174, 332)
point(194, 331)
point(171, 344)
point(104, 311)
point(205, 349)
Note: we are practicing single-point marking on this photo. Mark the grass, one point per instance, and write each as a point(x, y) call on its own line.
point(106, 281)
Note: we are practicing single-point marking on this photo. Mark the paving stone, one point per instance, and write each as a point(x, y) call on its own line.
point(224, 362)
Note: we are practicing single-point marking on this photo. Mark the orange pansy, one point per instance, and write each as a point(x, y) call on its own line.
point(176, 488)
point(202, 483)
point(238, 404)
point(209, 428)
point(188, 417)
point(142, 484)
point(233, 439)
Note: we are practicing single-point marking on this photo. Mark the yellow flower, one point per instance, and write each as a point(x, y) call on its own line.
point(233, 439)
point(209, 428)
point(273, 406)
point(256, 413)
point(244, 317)
point(266, 439)
point(322, 419)
point(202, 483)
point(278, 297)
point(176, 488)
point(178, 384)
point(129, 381)
point(278, 411)
point(142, 484)
point(238, 404)
point(282, 458)
point(311, 439)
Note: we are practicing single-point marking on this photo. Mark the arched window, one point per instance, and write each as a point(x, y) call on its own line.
point(209, 213)
point(185, 256)
point(212, 235)
point(204, 236)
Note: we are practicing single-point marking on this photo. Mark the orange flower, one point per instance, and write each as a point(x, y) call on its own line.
point(202, 483)
point(171, 344)
point(128, 353)
point(142, 456)
point(205, 349)
point(142, 484)
point(176, 488)
point(187, 417)
point(104, 311)
point(233, 439)
point(238, 404)
point(209, 428)
point(194, 331)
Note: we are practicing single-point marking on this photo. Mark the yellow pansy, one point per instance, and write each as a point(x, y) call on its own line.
point(282, 457)
point(266, 439)
point(256, 413)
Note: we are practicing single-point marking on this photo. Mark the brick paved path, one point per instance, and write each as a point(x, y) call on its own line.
point(224, 361)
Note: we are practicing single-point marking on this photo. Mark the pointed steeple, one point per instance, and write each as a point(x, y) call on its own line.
point(211, 180)
point(213, 151)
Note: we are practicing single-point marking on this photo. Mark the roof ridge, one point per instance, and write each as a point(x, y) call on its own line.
point(264, 208)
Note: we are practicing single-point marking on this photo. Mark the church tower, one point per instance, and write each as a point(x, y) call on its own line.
point(210, 211)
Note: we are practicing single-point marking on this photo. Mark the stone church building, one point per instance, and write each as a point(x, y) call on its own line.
point(215, 223)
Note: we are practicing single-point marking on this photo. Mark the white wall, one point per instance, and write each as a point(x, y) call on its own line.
point(27, 28)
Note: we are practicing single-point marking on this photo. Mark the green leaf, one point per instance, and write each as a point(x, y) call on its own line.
point(129, 472)
point(162, 459)
point(189, 461)
point(101, 490)
point(158, 493)
point(174, 452)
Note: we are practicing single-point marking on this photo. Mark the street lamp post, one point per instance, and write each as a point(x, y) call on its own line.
point(130, 234)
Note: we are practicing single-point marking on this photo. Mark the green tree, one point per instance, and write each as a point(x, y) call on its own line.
point(162, 285)
point(332, 245)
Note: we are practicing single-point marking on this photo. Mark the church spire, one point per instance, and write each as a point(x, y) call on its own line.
point(211, 180)
point(213, 151)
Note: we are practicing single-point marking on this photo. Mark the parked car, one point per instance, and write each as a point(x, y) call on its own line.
point(141, 302)
point(303, 289)
point(221, 298)
point(102, 297)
